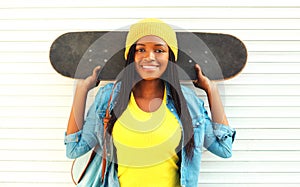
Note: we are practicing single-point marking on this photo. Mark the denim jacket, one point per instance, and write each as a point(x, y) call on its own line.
point(216, 138)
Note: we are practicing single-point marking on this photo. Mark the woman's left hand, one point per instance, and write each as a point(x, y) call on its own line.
point(202, 81)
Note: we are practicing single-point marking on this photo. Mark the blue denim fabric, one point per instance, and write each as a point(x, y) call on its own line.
point(216, 138)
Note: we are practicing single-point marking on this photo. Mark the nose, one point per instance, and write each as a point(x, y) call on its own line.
point(150, 55)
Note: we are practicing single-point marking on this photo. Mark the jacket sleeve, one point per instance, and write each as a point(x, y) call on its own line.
point(84, 140)
point(218, 138)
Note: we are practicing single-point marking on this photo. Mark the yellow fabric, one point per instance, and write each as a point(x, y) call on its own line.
point(145, 144)
point(151, 26)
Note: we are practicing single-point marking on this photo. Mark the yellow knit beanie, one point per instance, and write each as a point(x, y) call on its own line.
point(151, 26)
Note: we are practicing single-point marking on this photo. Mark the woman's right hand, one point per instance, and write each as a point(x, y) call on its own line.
point(91, 81)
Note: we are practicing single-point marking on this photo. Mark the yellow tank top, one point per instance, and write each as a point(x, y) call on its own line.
point(145, 144)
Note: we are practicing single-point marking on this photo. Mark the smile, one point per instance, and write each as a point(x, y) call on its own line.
point(152, 67)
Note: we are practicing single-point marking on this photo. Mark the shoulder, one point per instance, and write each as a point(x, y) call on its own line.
point(189, 91)
point(106, 87)
point(105, 90)
point(190, 95)
point(103, 95)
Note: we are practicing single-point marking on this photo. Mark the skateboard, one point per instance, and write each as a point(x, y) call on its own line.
point(75, 54)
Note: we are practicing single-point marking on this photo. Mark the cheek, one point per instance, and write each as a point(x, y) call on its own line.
point(137, 58)
point(164, 62)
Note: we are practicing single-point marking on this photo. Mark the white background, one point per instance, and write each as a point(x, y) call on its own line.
point(262, 103)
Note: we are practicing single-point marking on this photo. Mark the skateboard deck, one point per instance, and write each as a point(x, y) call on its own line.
point(75, 54)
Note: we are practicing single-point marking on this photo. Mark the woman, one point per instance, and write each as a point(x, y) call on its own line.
point(157, 127)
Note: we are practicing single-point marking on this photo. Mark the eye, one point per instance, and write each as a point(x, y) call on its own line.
point(159, 51)
point(140, 50)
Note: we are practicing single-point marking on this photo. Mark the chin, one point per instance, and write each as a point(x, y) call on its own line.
point(150, 78)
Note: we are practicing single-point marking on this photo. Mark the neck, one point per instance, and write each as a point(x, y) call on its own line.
point(149, 89)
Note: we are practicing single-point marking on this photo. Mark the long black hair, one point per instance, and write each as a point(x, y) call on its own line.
point(129, 79)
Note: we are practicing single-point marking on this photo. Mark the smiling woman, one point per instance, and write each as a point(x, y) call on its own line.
point(157, 127)
point(151, 57)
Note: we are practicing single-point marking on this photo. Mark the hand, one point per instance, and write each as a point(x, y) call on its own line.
point(202, 81)
point(91, 81)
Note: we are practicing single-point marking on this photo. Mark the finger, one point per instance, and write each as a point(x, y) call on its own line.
point(198, 68)
point(96, 70)
point(96, 75)
point(199, 71)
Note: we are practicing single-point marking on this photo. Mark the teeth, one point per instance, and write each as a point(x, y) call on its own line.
point(149, 67)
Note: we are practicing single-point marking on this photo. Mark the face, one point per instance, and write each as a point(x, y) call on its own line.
point(151, 57)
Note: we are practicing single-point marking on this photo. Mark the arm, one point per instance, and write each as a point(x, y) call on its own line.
point(80, 136)
point(78, 107)
point(218, 135)
point(215, 104)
